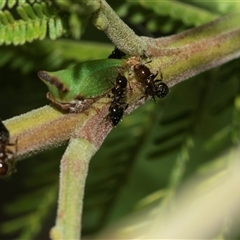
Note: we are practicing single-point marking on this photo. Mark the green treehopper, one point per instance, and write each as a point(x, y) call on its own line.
point(76, 88)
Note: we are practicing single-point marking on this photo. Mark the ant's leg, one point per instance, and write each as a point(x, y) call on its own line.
point(146, 57)
point(149, 92)
point(153, 97)
point(157, 81)
point(161, 76)
point(152, 76)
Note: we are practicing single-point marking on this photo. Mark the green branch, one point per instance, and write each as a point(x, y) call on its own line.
point(184, 55)
point(121, 35)
point(74, 168)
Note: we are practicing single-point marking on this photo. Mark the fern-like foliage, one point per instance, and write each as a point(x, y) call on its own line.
point(218, 7)
point(78, 17)
point(11, 3)
point(168, 16)
point(35, 22)
point(187, 13)
point(24, 21)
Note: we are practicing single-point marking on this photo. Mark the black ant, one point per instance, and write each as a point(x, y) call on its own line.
point(152, 87)
point(117, 108)
point(6, 155)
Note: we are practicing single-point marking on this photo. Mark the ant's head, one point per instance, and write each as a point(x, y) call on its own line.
point(161, 90)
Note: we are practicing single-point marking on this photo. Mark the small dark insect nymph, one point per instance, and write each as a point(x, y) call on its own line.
point(152, 87)
point(6, 155)
point(117, 54)
point(118, 105)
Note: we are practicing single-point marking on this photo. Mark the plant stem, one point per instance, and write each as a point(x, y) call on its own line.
point(184, 55)
point(179, 56)
point(74, 168)
point(119, 33)
point(41, 129)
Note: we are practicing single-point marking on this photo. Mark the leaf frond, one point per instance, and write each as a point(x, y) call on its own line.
point(169, 16)
point(188, 14)
point(35, 21)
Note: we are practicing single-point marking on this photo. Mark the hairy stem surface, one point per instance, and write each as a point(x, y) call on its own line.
point(74, 168)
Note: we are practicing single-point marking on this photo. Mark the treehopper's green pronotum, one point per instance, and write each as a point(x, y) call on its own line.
point(76, 88)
